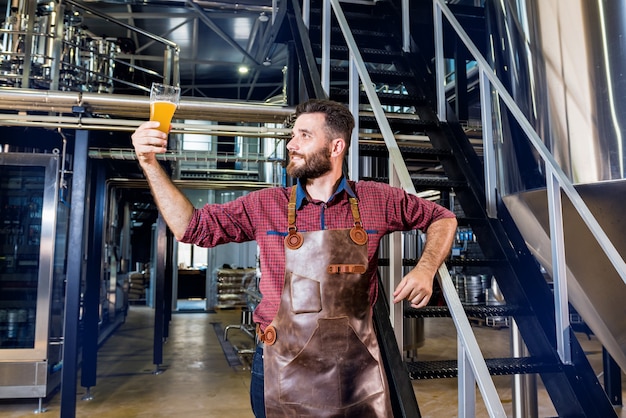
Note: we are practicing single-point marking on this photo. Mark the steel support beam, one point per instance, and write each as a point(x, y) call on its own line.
point(74, 271)
point(91, 305)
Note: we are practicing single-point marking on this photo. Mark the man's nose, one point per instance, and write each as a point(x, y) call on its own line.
point(292, 144)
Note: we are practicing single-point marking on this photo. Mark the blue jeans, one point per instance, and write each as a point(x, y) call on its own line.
point(257, 395)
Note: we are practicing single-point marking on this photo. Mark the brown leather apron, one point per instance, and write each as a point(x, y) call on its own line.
point(321, 356)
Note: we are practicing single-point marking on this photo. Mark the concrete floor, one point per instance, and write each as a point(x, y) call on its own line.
point(197, 379)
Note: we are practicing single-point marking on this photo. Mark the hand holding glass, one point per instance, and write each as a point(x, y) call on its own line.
point(163, 102)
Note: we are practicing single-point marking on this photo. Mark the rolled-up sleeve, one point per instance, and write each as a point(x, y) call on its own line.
point(216, 224)
point(389, 209)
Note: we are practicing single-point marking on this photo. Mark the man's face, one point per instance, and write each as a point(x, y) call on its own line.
point(309, 148)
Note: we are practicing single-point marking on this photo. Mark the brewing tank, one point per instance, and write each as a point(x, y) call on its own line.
point(45, 45)
point(564, 64)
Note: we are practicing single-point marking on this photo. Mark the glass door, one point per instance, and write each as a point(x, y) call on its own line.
point(27, 222)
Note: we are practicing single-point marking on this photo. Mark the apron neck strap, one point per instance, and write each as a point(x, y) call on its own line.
point(357, 233)
point(294, 239)
point(354, 205)
point(291, 209)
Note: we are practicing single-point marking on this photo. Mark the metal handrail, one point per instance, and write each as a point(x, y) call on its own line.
point(469, 351)
point(556, 179)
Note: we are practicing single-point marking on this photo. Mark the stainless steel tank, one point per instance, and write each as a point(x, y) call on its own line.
point(44, 45)
point(564, 64)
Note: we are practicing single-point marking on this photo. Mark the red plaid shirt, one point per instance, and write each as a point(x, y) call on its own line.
point(262, 216)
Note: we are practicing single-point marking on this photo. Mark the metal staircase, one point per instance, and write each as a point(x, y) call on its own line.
point(441, 156)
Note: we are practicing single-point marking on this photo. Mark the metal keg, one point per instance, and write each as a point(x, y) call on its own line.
point(474, 290)
point(459, 284)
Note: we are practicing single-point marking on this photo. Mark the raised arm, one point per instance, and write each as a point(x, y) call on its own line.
point(172, 203)
point(417, 285)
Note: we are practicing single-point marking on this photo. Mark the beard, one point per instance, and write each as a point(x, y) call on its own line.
point(313, 165)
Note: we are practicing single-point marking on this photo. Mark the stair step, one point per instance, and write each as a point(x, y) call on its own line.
point(472, 311)
point(438, 184)
point(473, 262)
point(420, 370)
point(357, 15)
point(377, 75)
point(385, 98)
point(456, 262)
point(429, 183)
point(369, 54)
point(407, 151)
point(356, 10)
point(369, 31)
point(399, 125)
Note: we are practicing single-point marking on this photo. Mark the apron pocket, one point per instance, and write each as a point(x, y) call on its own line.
point(305, 295)
point(334, 370)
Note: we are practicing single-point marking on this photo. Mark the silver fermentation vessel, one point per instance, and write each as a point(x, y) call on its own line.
point(564, 64)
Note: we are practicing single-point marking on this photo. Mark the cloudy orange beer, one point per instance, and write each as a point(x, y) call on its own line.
point(163, 102)
point(162, 112)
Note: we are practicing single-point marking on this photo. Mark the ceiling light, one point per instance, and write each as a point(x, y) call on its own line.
point(267, 62)
point(243, 69)
point(263, 17)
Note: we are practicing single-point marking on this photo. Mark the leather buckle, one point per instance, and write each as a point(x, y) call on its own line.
point(346, 268)
point(268, 336)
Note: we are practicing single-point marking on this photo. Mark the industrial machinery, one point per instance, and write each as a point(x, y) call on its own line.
point(46, 46)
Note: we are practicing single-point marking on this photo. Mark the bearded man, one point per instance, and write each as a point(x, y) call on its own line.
point(317, 353)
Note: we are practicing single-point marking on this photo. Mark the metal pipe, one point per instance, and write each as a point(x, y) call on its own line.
point(353, 104)
point(524, 385)
point(131, 124)
point(125, 105)
point(28, 43)
point(120, 105)
point(326, 10)
point(117, 105)
point(195, 156)
point(195, 184)
point(406, 27)
point(440, 72)
point(488, 147)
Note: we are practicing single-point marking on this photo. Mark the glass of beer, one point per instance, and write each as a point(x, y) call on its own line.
point(163, 102)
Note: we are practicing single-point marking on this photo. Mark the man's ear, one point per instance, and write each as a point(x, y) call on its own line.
point(338, 147)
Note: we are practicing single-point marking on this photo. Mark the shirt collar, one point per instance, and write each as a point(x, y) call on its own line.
point(343, 186)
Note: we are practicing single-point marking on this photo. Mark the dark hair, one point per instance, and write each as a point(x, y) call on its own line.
point(339, 119)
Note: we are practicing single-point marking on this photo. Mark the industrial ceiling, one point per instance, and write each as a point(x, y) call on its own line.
point(215, 42)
